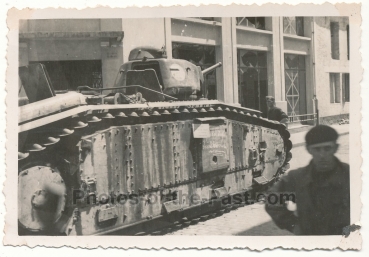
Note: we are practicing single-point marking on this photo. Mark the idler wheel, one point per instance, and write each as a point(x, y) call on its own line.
point(41, 198)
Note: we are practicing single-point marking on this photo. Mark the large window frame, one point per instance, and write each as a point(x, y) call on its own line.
point(295, 85)
point(252, 79)
point(346, 87)
point(335, 88)
point(205, 18)
point(348, 41)
point(293, 26)
point(203, 56)
point(335, 40)
point(251, 22)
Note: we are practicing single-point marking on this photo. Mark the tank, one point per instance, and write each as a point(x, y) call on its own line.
point(146, 156)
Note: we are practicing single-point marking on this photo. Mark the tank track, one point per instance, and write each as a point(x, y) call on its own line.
point(51, 142)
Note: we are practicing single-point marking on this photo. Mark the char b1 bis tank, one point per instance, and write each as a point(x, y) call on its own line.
point(145, 156)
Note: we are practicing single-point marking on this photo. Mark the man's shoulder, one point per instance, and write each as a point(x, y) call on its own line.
point(290, 180)
point(275, 108)
point(297, 173)
point(344, 166)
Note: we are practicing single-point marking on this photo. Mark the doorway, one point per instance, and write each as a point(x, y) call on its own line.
point(295, 83)
point(68, 75)
point(252, 79)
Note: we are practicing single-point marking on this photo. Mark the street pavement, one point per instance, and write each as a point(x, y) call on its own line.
point(252, 220)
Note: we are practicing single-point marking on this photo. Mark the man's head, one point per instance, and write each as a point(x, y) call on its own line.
point(321, 144)
point(270, 101)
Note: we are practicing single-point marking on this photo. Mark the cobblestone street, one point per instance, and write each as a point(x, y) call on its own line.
point(252, 220)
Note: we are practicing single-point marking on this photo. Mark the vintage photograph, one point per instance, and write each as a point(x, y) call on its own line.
point(185, 126)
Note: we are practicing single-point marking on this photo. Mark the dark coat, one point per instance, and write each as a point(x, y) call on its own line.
point(276, 114)
point(323, 207)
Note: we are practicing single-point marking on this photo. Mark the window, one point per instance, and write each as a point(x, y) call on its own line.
point(200, 55)
point(335, 42)
point(205, 18)
point(346, 86)
point(252, 22)
point(293, 26)
point(335, 90)
point(252, 79)
point(348, 41)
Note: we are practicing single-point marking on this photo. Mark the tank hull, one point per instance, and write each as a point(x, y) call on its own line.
point(149, 167)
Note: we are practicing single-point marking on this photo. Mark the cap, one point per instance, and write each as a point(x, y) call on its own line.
point(270, 97)
point(321, 134)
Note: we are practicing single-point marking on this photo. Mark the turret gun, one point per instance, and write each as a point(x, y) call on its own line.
point(207, 70)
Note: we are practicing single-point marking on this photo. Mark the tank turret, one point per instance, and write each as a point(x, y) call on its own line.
point(149, 67)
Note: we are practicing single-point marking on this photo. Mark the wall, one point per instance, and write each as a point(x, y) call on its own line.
point(221, 33)
point(296, 45)
point(142, 32)
point(63, 50)
point(63, 25)
point(111, 57)
point(196, 31)
point(325, 64)
point(216, 33)
point(254, 40)
point(78, 48)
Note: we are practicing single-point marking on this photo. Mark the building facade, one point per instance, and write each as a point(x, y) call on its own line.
point(302, 61)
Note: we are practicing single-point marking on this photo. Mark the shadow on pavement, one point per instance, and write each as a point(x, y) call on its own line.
point(265, 229)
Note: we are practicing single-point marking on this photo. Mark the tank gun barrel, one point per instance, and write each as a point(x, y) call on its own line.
point(219, 64)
